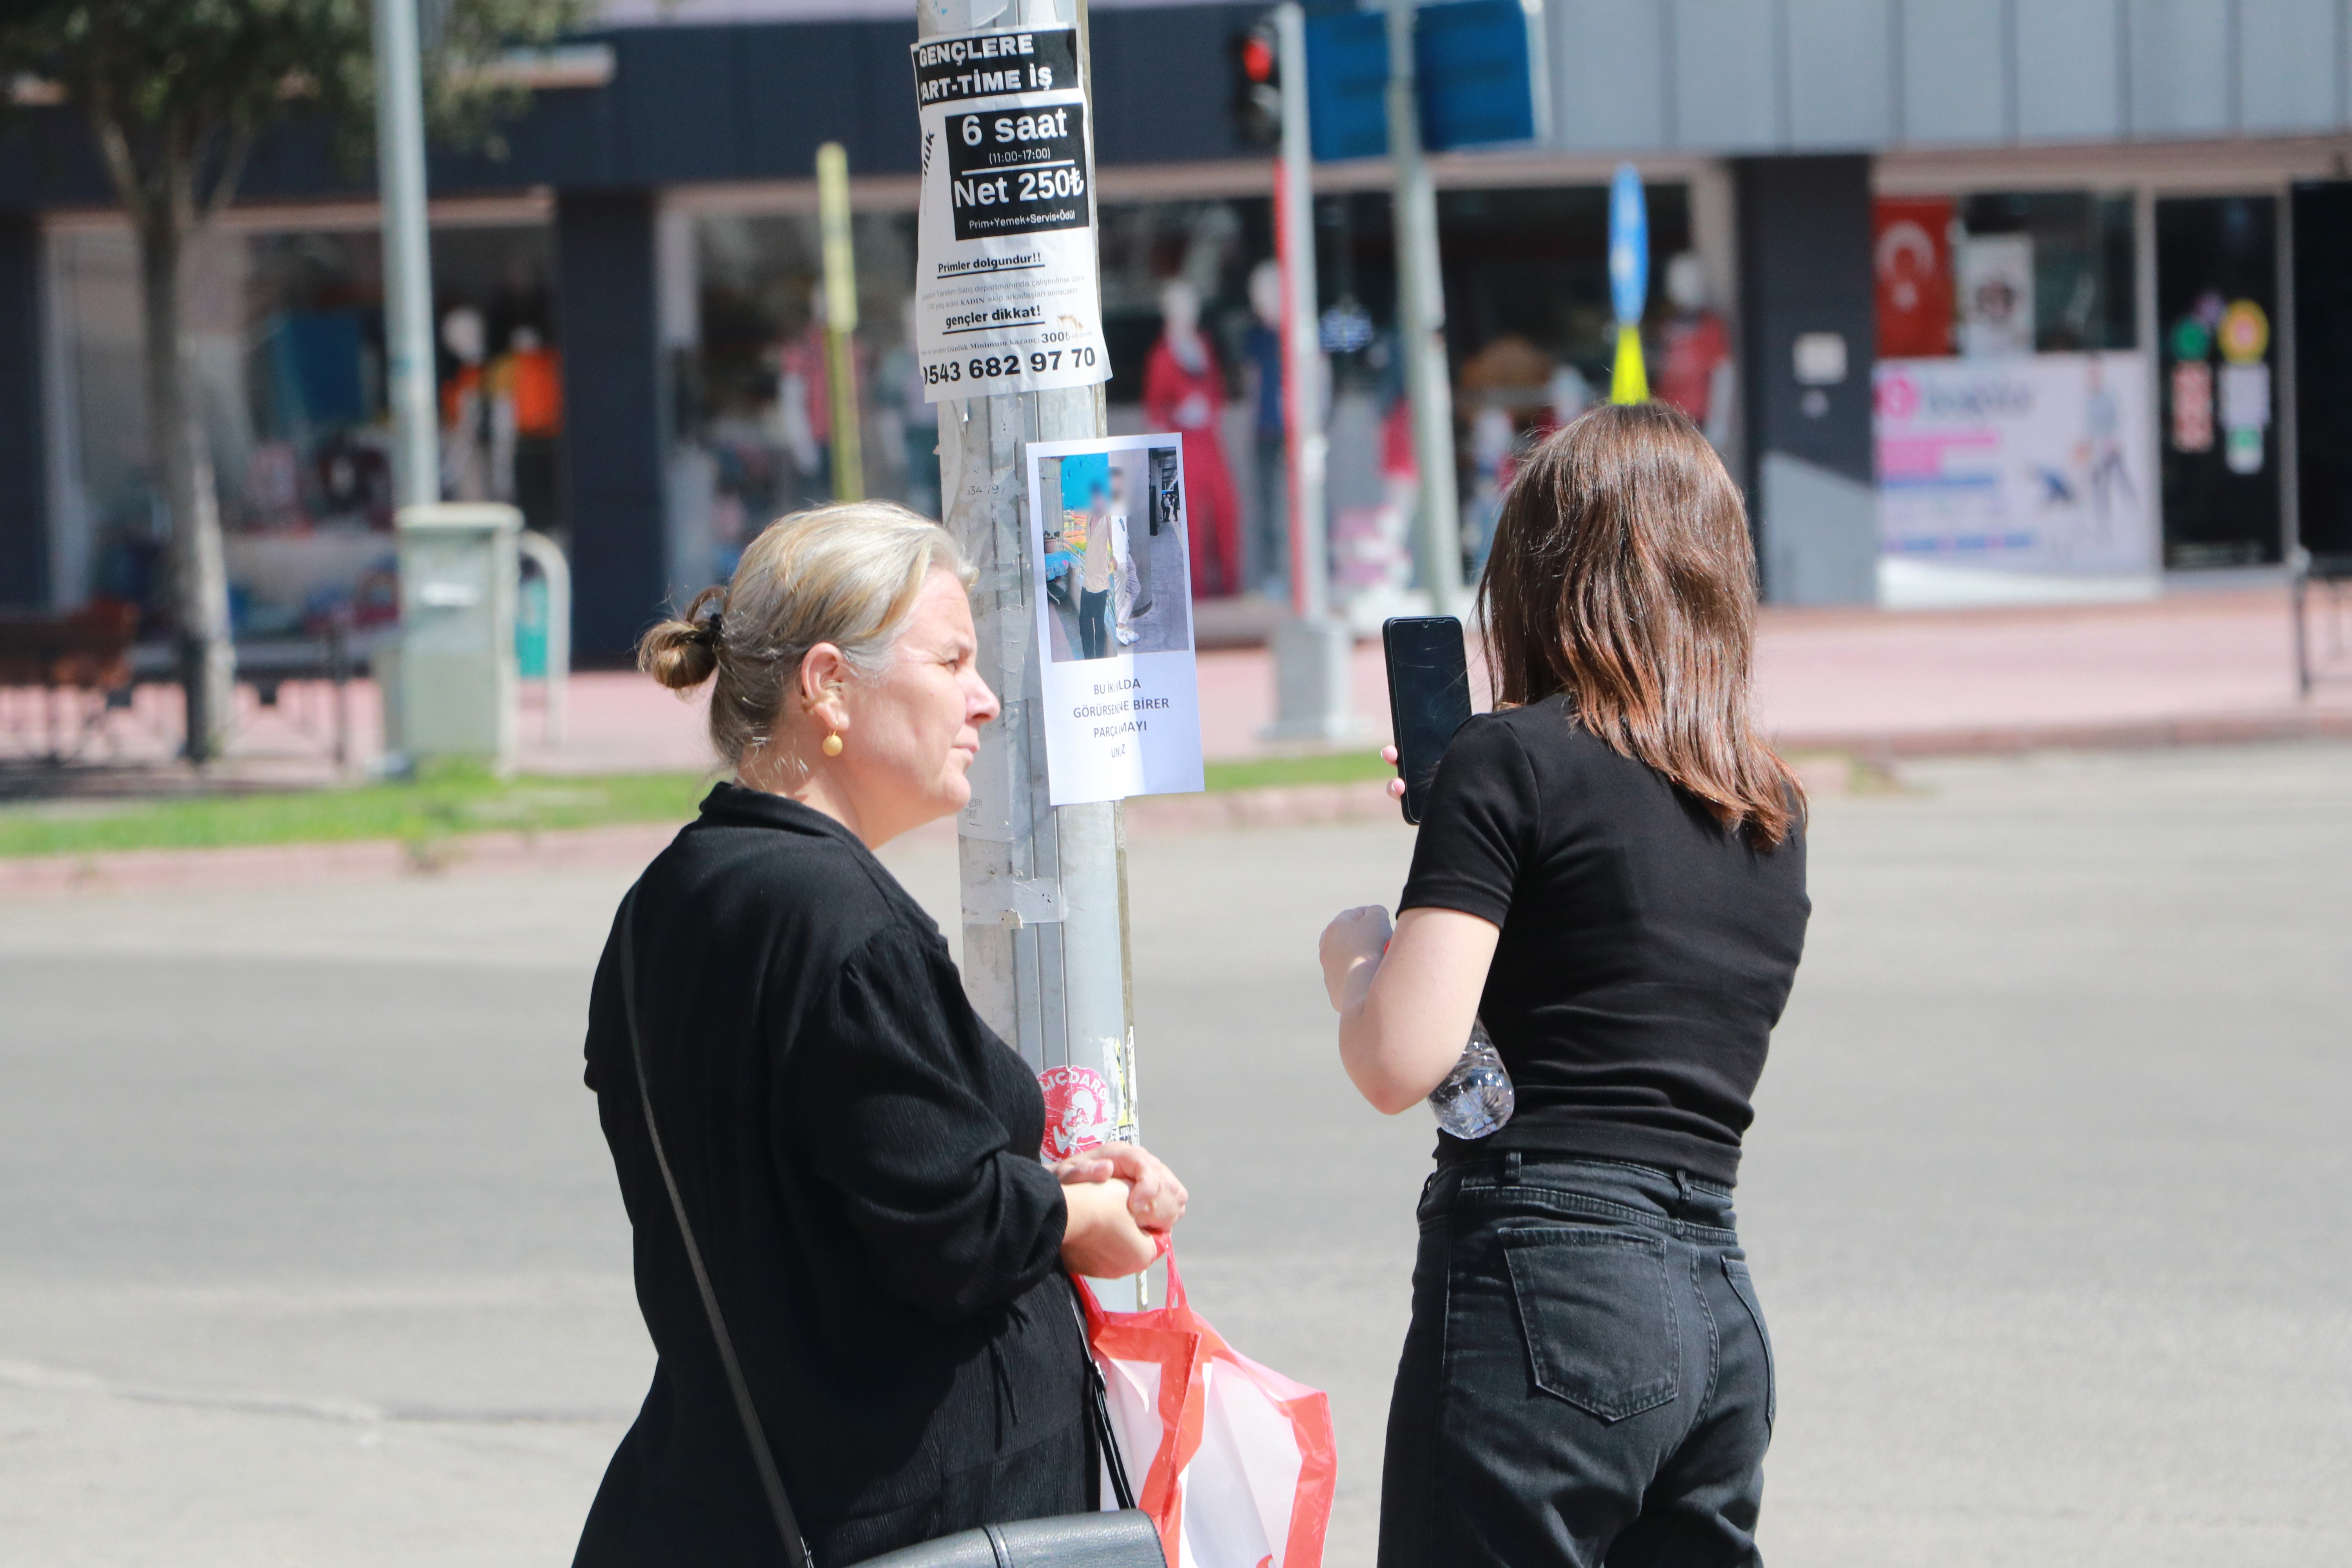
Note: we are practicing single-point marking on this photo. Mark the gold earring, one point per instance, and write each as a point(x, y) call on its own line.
point(833, 745)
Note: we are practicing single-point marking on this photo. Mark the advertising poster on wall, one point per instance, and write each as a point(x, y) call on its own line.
point(1006, 298)
point(1106, 531)
point(2040, 466)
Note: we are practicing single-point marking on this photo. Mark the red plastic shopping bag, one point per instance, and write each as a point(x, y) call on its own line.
point(1234, 1461)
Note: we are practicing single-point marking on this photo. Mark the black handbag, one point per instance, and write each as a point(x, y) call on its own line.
point(1127, 1538)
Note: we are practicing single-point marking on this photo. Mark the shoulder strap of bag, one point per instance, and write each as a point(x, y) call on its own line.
point(771, 1482)
point(788, 1527)
point(1099, 1406)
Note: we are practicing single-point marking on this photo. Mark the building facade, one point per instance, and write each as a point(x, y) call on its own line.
point(1983, 299)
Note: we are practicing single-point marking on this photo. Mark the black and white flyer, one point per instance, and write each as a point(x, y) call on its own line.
point(1122, 697)
point(1006, 294)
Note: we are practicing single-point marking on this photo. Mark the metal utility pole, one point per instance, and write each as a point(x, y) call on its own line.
point(1312, 651)
point(840, 319)
point(1420, 322)
point(407, 255)
point(1044, 889)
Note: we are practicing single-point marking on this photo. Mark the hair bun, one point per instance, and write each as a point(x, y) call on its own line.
point(683, 651)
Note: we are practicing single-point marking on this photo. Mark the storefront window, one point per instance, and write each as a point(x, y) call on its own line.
point(285, 341)
point(1194, 349)
point(2015, 429)
point(756, 410)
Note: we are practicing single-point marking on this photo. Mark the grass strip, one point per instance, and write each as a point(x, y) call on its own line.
point(451, 802)
point(440, 806)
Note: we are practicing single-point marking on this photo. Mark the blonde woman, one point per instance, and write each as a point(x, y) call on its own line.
point(855, 1152)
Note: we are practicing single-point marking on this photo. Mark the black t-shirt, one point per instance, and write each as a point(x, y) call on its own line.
point(1645, 951)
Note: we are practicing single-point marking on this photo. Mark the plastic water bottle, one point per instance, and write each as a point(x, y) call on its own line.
point(1476, 1097)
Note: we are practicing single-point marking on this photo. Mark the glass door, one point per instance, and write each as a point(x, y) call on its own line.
point(2217, 312)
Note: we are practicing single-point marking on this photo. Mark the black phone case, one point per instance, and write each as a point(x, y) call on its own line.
point(1414, 798)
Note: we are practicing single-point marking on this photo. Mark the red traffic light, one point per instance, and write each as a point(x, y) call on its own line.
point(1257, 58)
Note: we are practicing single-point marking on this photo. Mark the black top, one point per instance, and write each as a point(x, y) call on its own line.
point(859, 1155)
point(1645, 951)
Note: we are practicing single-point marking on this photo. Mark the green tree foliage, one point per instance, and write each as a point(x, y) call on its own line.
point(176, 94)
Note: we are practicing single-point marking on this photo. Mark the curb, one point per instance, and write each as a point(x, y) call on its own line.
point(2125, 735)
point(1825, 759)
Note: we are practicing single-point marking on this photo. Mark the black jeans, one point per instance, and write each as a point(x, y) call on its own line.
point(1094, 624)
point(1587, 1379)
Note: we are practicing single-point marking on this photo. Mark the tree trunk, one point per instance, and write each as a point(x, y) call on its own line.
point(181, 459)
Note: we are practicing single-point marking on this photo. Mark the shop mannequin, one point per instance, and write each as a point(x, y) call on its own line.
point(803, 408)
point(526, 407)
point(1695, 371)
point(466, 432)
point(908, 425)
point(1184, 390)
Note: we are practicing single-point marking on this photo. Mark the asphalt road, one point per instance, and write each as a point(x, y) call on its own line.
point(309, 1252)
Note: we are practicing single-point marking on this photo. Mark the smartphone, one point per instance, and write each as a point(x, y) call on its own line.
point(1429, 697)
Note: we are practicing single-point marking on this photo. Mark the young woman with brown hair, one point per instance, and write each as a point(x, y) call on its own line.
point(1610, 877)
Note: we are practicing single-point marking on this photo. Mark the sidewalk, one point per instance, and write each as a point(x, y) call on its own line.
point(2188, 670)
point(2183, 670)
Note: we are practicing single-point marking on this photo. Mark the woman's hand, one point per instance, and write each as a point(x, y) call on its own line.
point(1101, 1240)
point(1396, 785)
point(1155, 1198)
point(1351, 949)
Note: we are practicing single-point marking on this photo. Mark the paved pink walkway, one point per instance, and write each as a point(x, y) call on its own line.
point(2194, 667)
point(2216, 667)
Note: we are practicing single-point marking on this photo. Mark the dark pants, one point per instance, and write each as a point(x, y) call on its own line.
point(1094, 624)
point(1587, 1379)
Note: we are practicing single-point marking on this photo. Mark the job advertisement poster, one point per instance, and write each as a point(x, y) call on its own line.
point(1006, 294)
point(1109, 538)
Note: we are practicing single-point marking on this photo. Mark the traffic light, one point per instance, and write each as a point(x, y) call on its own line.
point(1257, 85)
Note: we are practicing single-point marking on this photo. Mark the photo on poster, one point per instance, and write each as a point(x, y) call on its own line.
point(1109, 539)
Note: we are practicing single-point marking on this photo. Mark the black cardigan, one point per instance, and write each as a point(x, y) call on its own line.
point(858, 1154)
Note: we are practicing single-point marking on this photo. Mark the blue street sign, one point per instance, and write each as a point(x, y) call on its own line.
point(1471, 72)
point(1629, 244)
point(1629, 283)
point(1470, 66)
point(1348, 84)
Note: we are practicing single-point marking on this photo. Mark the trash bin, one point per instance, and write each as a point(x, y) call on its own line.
point(457, 690)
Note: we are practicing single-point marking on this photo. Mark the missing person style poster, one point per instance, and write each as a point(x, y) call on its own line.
point(1005, 290)
point(1109, 541)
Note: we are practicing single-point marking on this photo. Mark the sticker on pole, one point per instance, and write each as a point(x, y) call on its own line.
point(1006, 294)
point(1081, 1112)
point(1107, 537)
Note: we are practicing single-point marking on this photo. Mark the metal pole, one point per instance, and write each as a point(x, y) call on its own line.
point(407, 256)
point(1420, 322)
point(1312, 652)
point(840, 319)
point(1302, 349)
point(1045, 889)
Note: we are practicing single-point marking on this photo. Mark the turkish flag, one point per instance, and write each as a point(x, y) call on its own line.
point(1911, 253)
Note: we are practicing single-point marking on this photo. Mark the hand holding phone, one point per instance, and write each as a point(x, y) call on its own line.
point(1429, 697)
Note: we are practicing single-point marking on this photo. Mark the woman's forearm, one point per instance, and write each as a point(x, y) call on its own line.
point(1406, 1011)
point(1393, 1070)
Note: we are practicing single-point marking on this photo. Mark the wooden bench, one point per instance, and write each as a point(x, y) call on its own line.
point(85, 652)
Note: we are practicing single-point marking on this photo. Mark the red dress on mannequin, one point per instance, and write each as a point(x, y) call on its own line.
point(1189, 400)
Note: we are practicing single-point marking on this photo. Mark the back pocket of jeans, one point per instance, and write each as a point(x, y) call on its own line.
point(1598, 1315)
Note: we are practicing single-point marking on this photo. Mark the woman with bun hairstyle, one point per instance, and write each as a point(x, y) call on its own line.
point(1611, 876)
point(858, 1155)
